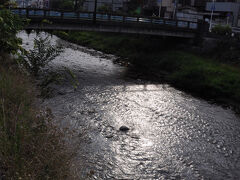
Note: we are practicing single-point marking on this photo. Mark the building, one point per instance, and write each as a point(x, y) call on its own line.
point(171, 7)
point(33, 3)
point(225, 11)
point(229, 12)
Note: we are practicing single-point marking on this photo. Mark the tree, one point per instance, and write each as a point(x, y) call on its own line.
point(8, 3)
point(135, 6)
point(78, 4)
point(62, 4)
point(10, 24)
point(42, 53)
point(66, 4)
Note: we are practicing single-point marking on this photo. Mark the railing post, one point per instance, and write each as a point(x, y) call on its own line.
point(137, 19)
point(78, 15)
point(62, 14)
point(27, 12)
point(44, 12)
point(124, 17)
point(109, 17)
point(95, 12)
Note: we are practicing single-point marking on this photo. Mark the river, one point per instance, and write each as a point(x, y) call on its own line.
point(172, 134)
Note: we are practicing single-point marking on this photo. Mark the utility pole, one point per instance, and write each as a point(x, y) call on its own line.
point(95, 12)
point(175, 9)
point(159, 2)
point(76, 4)
point(112, 5)
point(212, 8)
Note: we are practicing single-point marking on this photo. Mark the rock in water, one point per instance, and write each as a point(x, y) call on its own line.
point(124, 128)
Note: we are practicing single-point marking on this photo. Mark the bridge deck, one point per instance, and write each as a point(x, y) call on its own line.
point(89, 21)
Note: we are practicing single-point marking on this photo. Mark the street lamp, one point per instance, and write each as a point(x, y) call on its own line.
point(112, 5)
point(212, 8)
point(160, 7)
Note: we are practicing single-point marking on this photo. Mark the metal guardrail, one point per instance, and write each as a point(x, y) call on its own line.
point(89, 16)
point(236, 30)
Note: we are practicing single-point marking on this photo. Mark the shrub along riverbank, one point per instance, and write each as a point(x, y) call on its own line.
point(31, 146)
point(162, 59)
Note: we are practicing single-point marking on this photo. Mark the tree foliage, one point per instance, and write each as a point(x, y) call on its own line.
point(105, 8)
point(222, 29)
point(10, 25)
point(67, 4)
point(135, 6)
point(42, 53)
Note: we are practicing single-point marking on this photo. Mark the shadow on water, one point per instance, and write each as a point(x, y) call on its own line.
point(171, 134)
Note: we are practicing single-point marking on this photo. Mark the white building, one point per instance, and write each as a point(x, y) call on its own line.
point(229, 10)
point(33, 3)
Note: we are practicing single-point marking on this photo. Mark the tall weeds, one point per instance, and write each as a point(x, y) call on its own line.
point(31, 145)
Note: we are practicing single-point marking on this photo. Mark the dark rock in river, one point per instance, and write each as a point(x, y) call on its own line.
point(124, 128)
point(61, 92)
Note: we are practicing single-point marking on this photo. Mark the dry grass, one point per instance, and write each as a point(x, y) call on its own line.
point(31, 145)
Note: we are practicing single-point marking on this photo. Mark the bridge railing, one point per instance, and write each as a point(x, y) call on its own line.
point(103, 17)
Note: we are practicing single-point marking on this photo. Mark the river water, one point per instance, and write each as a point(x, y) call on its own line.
point(172, 134)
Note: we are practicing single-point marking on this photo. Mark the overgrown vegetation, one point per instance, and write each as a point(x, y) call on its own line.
point(126, 46)
point(161, 59)
point(222, 29)
point(10, 24)
point(42, 53)
point(31, 145)
point(227, 51)
point(67, 4)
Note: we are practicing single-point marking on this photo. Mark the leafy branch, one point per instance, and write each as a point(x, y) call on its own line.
point(42, 53)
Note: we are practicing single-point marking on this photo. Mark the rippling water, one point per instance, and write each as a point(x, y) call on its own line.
point(172, 134)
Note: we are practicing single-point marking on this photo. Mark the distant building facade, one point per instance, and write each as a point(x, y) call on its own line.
point(33, 3)
point(229, 11)
point(226, 11)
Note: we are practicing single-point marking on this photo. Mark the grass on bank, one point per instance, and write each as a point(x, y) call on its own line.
point(31, 146)
point(160, 57)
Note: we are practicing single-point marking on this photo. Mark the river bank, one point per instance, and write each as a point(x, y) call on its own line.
point(162, 59)
point(32, 146)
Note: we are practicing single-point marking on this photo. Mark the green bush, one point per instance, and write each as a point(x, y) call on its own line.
point(10, 25)
point(104, 9)
point(222, 29)
point(41, 54)
point(67, 5)
point(31, 145)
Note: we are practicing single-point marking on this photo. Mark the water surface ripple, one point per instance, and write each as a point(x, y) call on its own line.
point(172, 134)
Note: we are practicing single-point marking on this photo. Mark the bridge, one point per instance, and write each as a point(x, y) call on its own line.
point(105, 22)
